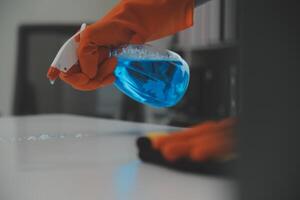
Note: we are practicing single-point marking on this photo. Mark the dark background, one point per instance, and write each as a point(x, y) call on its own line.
point(269, 92)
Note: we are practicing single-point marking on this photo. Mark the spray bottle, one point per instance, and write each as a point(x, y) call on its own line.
point(152, 76)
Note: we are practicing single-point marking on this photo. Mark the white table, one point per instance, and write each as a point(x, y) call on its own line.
point(66, 157)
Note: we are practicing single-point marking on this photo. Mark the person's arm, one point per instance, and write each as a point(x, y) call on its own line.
point(205, 141)
point(129, 22)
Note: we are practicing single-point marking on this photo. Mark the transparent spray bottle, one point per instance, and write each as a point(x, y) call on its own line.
point(149, 75)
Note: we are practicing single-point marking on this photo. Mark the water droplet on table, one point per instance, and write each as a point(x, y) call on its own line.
point(44, 137)
point(31, 138)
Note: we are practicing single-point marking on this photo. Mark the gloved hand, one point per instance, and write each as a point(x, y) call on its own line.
point(130, 21)
point(201, 142)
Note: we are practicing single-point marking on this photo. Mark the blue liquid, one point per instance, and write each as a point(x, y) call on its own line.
point(157, 83)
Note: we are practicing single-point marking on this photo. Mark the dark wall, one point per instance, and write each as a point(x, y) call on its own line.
point(269, 130)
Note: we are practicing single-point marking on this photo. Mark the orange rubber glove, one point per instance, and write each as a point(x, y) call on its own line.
point(201, 142)
point(129, 22)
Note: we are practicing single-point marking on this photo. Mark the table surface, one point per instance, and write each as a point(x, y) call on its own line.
point(64, 157)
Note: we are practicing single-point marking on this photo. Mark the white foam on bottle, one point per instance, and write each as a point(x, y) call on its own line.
point(144, 52)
